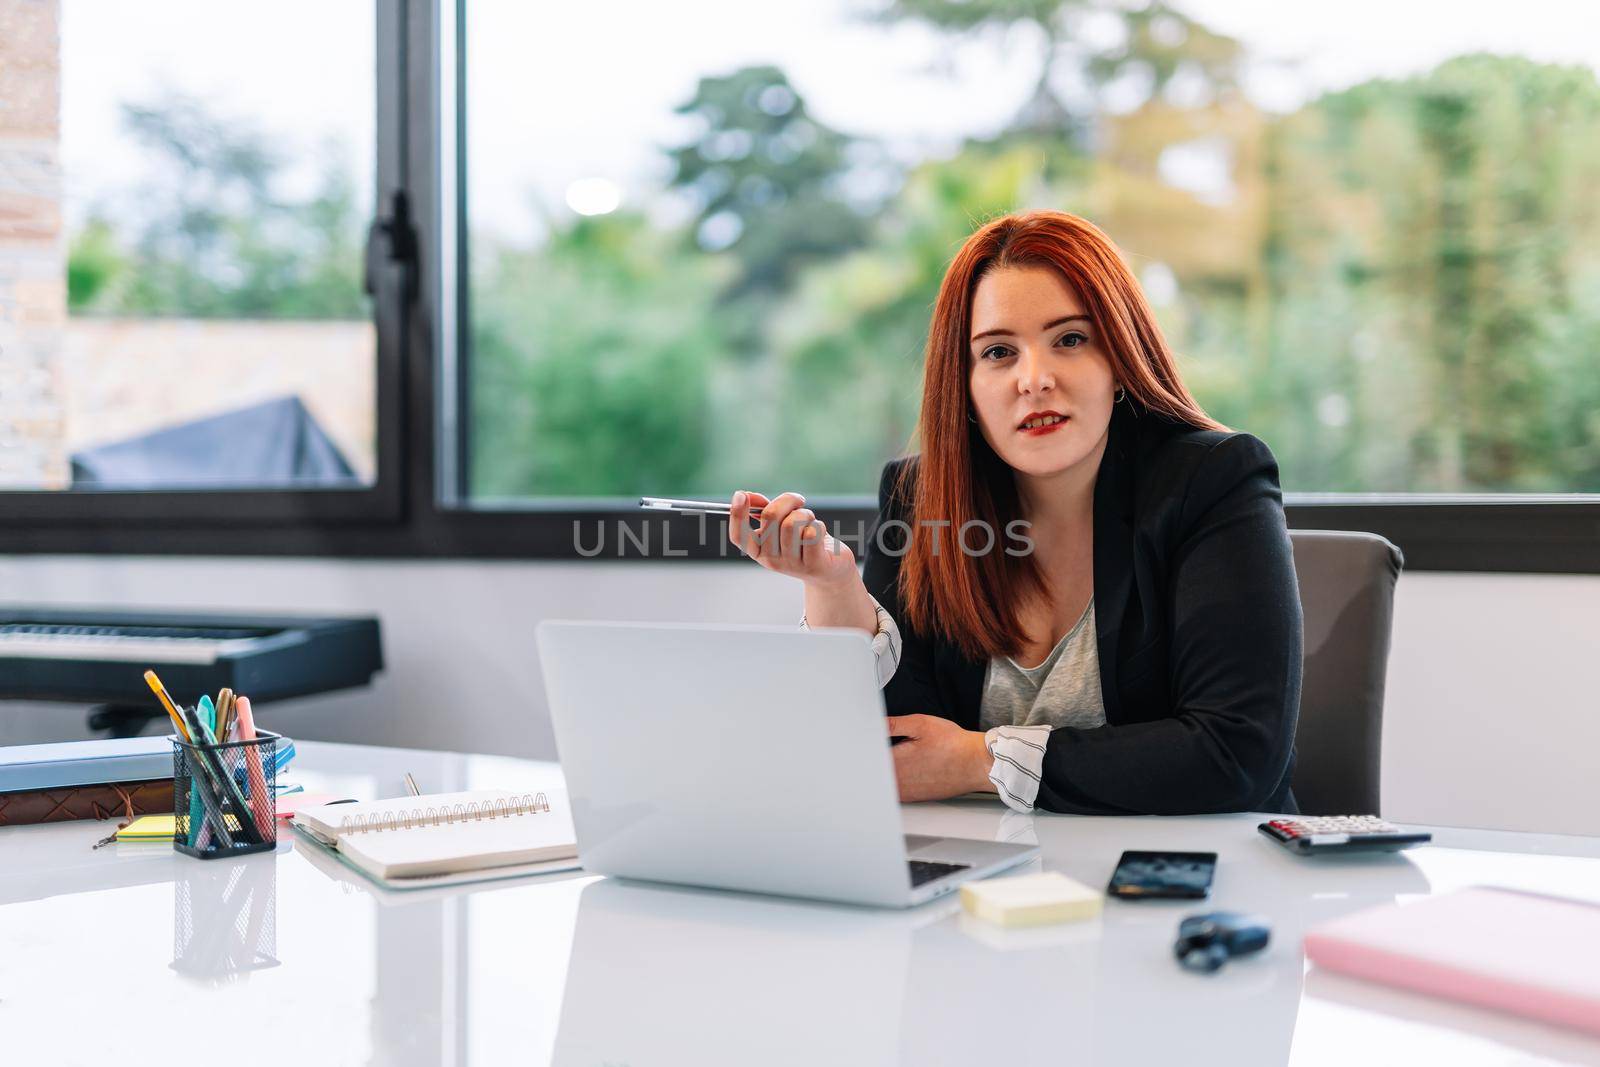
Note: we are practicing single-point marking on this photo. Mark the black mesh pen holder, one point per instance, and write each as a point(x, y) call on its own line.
point(222, 797)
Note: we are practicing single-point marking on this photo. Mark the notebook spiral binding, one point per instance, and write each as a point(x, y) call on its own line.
point(500, 808)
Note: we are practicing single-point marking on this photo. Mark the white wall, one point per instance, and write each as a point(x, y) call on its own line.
point(1492, 714)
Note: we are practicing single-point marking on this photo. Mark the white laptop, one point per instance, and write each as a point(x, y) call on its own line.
point(735, 757)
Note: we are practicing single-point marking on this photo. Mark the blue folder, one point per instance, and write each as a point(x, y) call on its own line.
point(119, 759)
point(69, 763)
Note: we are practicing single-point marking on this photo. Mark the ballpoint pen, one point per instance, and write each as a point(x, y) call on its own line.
point(225, 715)
point(694, 507)
point(411, 785)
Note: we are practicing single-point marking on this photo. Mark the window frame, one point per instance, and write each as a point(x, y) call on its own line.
point(417, 509)
point(63, 511)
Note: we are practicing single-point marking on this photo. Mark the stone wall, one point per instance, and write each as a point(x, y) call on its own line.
point(33, 288)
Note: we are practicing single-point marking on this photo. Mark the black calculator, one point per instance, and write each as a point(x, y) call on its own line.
point(1308, 834)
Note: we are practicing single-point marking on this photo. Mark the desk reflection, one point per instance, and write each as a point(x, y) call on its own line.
point(678, 976)
point(1343, 1015)
point(225, 918)
point(665, 976)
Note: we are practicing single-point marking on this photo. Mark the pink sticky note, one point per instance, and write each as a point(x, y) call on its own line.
point(293, 802)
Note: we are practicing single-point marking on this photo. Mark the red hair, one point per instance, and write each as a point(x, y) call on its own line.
point(973, 600)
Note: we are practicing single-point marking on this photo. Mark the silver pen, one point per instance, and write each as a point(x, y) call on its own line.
point(692, 507)
point(411, 785)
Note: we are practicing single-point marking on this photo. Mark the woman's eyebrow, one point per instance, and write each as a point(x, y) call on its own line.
point(1047, 326)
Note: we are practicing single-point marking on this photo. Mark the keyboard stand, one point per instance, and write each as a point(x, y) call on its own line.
point(122, 720)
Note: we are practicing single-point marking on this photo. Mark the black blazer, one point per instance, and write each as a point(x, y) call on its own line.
point(1198, 619)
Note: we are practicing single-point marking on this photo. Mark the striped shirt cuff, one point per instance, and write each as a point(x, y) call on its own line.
point(1018, 753)
point(885, 643)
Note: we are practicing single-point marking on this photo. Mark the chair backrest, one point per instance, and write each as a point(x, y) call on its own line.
point(1347, 596)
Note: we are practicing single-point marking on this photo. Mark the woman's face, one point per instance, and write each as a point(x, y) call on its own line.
point(1033, 353)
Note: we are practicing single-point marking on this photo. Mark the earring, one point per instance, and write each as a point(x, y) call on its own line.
point(970, 417)
point(1120, 396)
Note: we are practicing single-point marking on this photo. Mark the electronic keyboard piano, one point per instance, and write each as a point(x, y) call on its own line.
point(100, 656)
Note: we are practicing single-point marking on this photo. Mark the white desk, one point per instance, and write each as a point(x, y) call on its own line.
point(105, 955)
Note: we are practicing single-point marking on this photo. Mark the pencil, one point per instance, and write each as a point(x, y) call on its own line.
point(166, 702)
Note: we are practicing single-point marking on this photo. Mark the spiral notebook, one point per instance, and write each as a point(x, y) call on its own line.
point(447, 837)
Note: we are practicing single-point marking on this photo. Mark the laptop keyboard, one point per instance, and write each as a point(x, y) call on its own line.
point(924, 871)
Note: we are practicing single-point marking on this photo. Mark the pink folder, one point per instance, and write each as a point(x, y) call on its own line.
point(1530, 955)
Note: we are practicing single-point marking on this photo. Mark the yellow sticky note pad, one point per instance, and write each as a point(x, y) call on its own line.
point(1030, 900)
point(159, 828)
point(149, 828)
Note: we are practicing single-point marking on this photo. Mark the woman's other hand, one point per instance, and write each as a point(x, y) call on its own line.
point(939, 759)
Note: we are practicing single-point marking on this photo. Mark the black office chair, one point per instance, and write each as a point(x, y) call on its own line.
point(1347, 595)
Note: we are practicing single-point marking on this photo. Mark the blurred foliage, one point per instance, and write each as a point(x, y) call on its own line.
point(1092, 57)
point(214, 235)
point(94, 264)
point(767, 178)
point(1397, 286)
point(1432, 250)
point(592, 362)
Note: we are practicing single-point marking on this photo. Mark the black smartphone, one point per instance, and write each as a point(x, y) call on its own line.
point(1163, 875)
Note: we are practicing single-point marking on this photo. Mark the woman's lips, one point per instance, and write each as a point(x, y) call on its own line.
point(1039, 431)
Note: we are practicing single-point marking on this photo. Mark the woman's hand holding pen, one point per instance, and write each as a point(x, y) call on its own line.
point(793, 541)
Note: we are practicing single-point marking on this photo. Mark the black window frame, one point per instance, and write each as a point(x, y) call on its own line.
point(61, 512)
point(416, 509)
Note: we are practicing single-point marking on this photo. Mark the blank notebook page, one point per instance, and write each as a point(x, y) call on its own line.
point(465, 846)
point(331, 820)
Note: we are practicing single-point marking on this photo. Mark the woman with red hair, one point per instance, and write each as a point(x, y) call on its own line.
point(1081, 591)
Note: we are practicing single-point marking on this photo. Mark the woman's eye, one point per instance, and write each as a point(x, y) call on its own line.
point(1071, 340)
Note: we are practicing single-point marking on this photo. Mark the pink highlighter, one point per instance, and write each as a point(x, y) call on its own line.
point(261, 803)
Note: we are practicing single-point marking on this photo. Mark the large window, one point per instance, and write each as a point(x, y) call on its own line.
point(451, 278)
point(186, 188)
point(705, 237)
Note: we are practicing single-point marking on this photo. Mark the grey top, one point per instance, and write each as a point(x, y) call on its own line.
point(1064, 690)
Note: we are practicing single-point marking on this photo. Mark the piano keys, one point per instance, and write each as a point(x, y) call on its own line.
point(92, 656)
